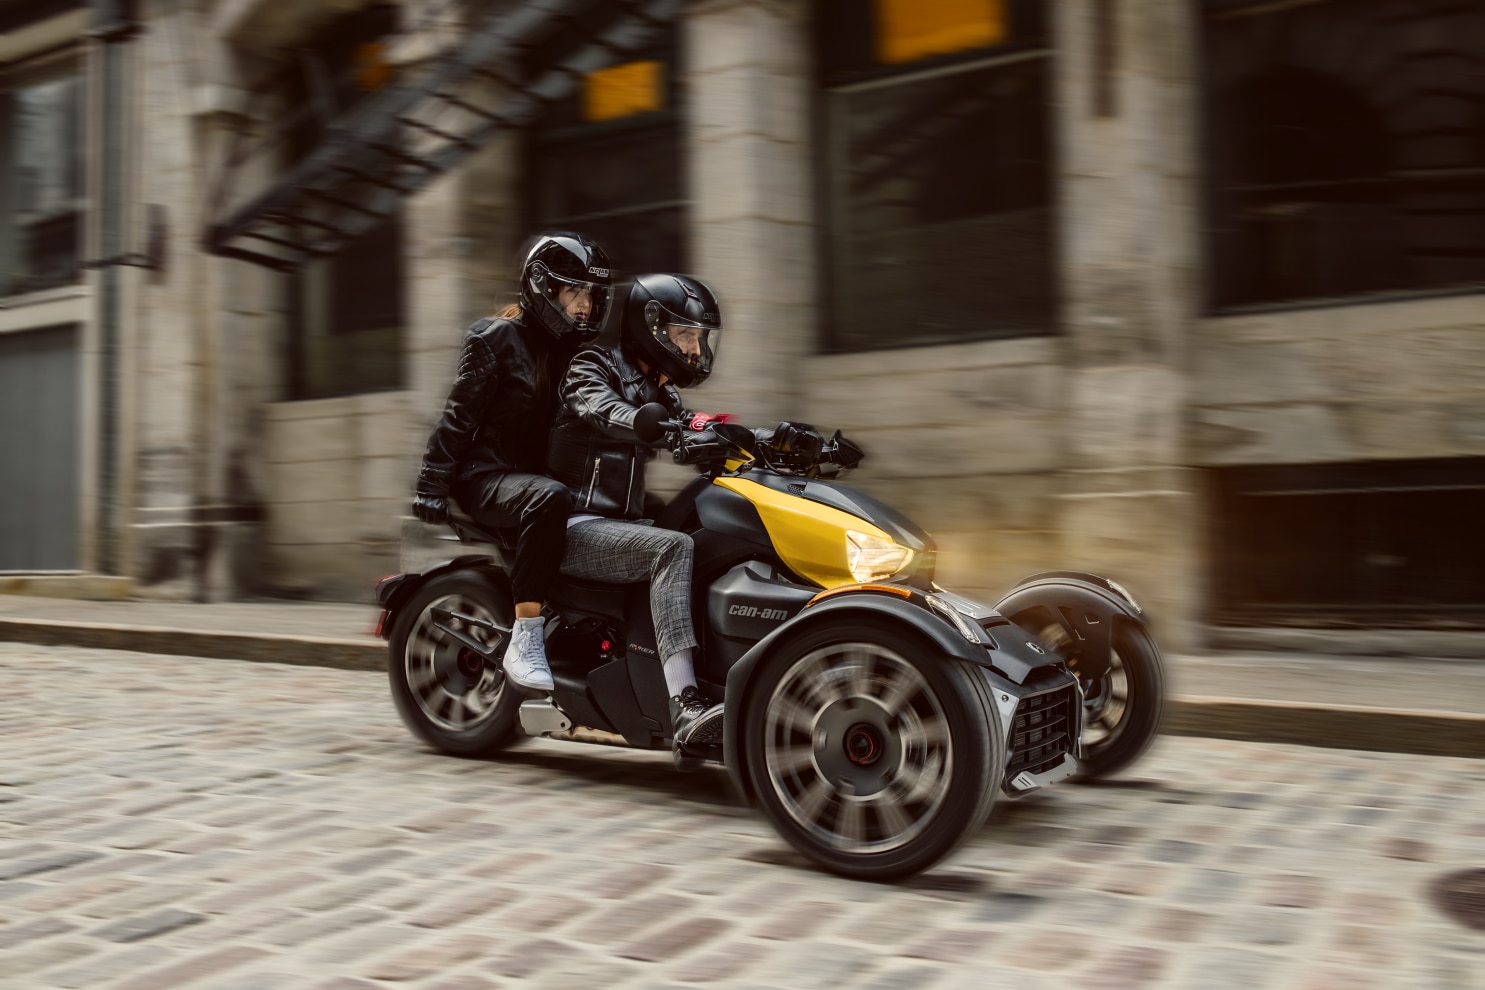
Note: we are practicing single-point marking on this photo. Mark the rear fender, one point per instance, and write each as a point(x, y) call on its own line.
point(392, 593)
point(853, 606)
point(1084, 605)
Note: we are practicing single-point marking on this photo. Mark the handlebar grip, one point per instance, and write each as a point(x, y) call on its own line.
point(697, 452)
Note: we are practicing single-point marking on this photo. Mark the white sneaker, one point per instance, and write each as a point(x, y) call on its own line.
point(525, 659)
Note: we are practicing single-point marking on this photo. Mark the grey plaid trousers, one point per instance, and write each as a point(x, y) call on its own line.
point(624, 552)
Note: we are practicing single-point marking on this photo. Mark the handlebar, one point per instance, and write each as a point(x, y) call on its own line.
point(652, 427)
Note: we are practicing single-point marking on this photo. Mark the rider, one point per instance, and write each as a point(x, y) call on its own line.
point(489, 449)
point(668, 339)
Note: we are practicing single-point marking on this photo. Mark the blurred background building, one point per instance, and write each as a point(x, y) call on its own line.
point(1182, 291)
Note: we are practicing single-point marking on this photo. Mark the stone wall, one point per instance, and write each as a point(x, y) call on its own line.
point(339, 472)
point(1342, 383)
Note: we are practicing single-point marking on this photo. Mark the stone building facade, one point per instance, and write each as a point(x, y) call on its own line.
point(1062, 269)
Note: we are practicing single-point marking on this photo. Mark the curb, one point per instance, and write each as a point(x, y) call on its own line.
point(303, 651)
point(1384, 730)
point(1387, 730)
point(1435, 644)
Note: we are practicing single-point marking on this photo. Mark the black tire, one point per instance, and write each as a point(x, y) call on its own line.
point(446, 694)
point(845, 748)
point(1122, 713)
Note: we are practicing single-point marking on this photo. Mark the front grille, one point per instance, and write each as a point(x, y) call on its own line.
point(1042, 731)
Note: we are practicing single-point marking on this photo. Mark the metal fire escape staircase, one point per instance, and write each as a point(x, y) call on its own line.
point(499, 73)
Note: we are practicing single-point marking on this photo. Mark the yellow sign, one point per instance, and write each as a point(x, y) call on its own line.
point(623, 90)
point(908, 30)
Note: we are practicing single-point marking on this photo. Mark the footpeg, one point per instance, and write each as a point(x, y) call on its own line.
point(442, 618)
point(539, 717)
point(689, 759)
point(705, 731)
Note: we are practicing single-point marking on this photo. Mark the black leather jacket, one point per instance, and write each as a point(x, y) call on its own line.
point(501, 408)
point(594, 451)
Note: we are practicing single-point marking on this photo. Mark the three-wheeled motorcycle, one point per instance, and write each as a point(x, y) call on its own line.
point(873, 715)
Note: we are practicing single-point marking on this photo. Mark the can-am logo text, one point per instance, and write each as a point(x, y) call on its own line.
point(754, 612)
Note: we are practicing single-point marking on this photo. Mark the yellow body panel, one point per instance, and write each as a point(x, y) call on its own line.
point(809, 537)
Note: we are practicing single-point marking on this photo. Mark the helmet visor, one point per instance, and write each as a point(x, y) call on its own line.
point(692, 342)
point(582, 304)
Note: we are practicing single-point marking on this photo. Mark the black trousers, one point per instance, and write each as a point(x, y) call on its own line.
point(537, 508)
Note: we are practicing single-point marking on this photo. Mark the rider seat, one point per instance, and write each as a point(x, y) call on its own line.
point(471, 531)
point(598, 598)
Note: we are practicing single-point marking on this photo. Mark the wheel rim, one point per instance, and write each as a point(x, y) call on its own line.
point(1105, 698)
point(1105, 702)
point(452, 685)
point(858, 748)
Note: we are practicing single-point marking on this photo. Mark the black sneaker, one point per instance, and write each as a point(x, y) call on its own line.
point(694, 720)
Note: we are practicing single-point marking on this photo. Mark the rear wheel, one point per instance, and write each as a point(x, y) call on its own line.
point(871, 754)
point(447, 694)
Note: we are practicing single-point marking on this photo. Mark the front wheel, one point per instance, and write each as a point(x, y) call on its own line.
point(447, 694)
point(1121, 709)
point(1122, 706)
point(871, 754)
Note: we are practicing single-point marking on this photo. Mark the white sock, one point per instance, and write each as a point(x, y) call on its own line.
point(679, 674)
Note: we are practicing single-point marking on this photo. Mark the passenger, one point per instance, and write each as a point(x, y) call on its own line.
point(489, 449)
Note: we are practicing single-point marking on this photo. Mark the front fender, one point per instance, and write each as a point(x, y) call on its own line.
point(858, 606)
point(1084, 605)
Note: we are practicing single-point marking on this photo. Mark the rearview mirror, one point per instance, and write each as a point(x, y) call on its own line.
point(847, 454)
point(650, 422)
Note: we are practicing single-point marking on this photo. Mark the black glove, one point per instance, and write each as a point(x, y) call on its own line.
point(431, 508)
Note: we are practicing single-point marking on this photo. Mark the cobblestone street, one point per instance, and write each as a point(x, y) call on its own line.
point(170, 821)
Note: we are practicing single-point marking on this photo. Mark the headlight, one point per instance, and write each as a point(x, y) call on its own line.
point(871, 558)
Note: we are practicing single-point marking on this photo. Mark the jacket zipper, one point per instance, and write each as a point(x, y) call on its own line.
point(629, 494)
point(593, 485)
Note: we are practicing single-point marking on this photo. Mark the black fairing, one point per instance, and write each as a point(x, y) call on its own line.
point(1016, 653)
point(680, 512)
point(577, 599)
point(747, 603)
point(612, 685)
point(727, 513)
point(570, 692)
point(646, 670)
point(1013, 652)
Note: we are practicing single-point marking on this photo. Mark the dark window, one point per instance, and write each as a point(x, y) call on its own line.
point(606, 162)
point(1374, 543)
point(347, 312)
point(939, 171)
point(41, 184)
point(1346, 149)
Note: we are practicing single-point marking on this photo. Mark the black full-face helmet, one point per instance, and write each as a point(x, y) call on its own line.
point(563, 261)
point(674, 323)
